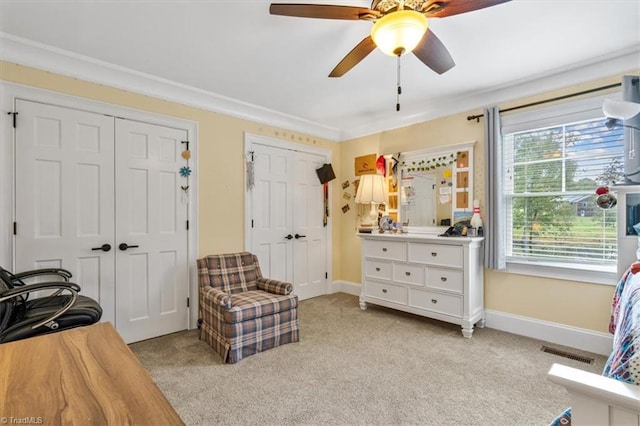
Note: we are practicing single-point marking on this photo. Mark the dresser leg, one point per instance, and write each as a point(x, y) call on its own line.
point(467, 331)
point(481, 323)
point(363, 304)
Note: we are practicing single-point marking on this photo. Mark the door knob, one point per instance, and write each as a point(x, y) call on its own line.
point(288, 237)
point(300, 236)
point(125, 246)
point(104, 247)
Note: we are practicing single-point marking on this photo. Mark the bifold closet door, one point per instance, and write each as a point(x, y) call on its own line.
point(151, 231)
point(288, 234)
point(101, 197)
point(64, 183)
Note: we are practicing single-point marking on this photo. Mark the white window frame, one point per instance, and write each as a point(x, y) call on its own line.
point(567, 112)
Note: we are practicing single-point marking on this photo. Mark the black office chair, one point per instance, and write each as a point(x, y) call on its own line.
point(21, 318)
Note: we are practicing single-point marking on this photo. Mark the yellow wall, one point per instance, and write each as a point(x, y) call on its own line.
point(221, 190)
point(567, 302)
point(220, 153)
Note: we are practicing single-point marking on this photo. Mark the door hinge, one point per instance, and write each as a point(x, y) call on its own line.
point(251, 223)
point(15, 228)
point(326, 275)
point(188, 302)
point(187, 225)
point(15, 115)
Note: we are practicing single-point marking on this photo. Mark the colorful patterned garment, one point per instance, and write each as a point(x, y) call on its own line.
point(624, 361)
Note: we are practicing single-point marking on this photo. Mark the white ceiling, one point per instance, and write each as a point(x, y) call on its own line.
point(236, 51)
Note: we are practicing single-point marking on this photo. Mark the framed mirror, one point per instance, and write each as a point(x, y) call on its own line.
point(432, 189)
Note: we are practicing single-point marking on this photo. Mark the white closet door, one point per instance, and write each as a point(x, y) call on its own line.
point(152, 274)
point(271, 234)
point(65, 196)
point(288, 235)
point(309, 246)
point(85, 181)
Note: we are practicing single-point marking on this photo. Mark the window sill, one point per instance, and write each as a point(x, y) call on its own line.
point(565, 271)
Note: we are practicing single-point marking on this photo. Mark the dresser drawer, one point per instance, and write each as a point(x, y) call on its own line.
point(437, 302)
point(392, 293)
point(377, 269)
point(391, 250)
point(434, 254)
point(445, 279)
point(408, 273)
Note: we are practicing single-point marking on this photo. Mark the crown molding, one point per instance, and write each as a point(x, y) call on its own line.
point(627, 60)
point(38, 55)
point(42, 56)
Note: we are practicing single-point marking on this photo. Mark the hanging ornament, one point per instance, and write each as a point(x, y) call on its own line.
point(186, 155)
point(605, 199)
point(250, 171)
point(185, 171)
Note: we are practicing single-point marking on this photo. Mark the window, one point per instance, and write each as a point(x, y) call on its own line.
point(553, 161)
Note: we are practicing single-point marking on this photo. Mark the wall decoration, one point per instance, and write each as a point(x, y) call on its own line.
point(250, 172)
point(365, 165)
point(345, 184)
point(345, 208)
point(185, 172)
point(428, 164)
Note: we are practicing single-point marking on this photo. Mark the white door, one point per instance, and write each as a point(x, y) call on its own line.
point(86, 183)
point(65, 196)
point(309, 244)
point(151, 231)
point(272, 202)
point(287, 231)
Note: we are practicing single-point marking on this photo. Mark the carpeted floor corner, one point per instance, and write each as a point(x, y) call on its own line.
point(373, 367)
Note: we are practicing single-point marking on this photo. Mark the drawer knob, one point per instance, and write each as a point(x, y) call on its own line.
point(434, 300)
point(408, 274)
point(384, 249)
point(443, 279)
point(377, 269)
point(434, 254)
point(384, 290)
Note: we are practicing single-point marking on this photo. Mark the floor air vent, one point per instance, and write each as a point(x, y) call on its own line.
point(569, 355)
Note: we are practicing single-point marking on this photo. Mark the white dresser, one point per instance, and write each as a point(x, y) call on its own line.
point(436, 277)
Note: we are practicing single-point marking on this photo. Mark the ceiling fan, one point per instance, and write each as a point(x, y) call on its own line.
point(400, 27)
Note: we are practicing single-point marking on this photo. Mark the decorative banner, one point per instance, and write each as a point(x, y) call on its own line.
point(365, 165)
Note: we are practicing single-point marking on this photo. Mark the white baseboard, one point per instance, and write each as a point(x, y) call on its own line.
point(346, 287)
point(561, 334)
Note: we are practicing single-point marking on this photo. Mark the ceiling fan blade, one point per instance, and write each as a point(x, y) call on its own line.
point(320, 11)
point(444, 8)
point(432, 52)
point(352, 59)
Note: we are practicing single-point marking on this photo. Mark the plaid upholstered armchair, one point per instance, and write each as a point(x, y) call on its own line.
point(242, 313)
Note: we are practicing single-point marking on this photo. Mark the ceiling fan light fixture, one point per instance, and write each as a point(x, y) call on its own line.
point(398, 33)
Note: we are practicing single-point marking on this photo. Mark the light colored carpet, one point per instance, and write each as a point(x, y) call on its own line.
point(373, 367)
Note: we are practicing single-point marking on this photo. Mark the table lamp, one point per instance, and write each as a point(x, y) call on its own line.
point(371, 190)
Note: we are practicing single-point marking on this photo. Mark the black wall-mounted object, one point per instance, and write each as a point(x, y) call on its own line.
point(325, 173)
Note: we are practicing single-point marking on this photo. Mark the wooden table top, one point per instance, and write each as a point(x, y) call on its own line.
point(82, 376)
